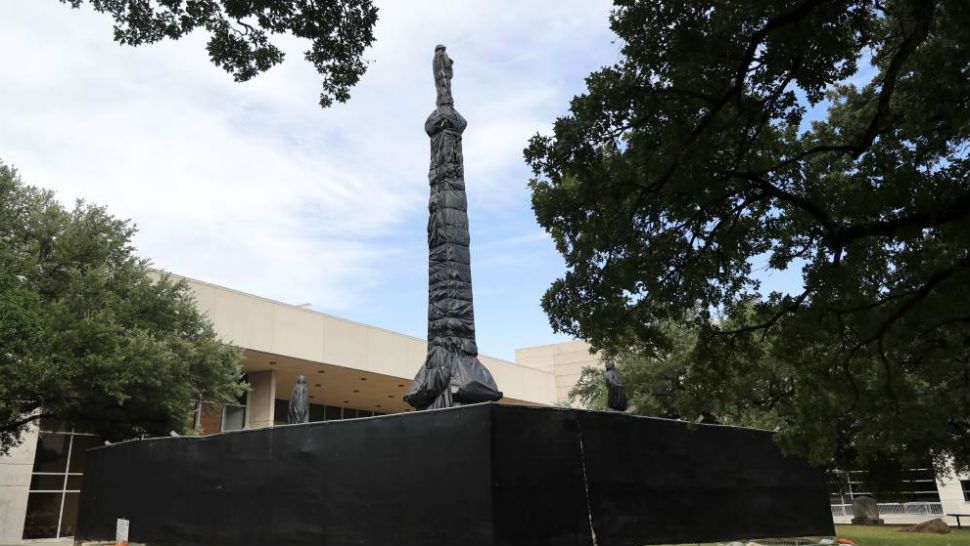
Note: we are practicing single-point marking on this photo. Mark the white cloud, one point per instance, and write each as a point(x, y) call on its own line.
point(253, 185)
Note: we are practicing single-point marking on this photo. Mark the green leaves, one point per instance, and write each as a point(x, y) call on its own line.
point(87, 336)
point(692, 159)
point(239, 33)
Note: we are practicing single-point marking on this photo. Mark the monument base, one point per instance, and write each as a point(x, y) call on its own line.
point(478, 475)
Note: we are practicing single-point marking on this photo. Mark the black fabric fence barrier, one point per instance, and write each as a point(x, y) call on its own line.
point(485, 474)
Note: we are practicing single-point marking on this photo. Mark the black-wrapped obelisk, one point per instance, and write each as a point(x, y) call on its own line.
point(451, 374)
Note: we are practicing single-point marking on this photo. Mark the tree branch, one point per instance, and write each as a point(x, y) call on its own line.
point(949, 212)
point(917, 296)
point(7, 427)
point(906, 48)
point(785, 309)
point(891, 77)
point(798, 201)
point(794, 15)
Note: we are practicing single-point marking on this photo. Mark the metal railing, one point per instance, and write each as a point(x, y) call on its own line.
point(894, 509)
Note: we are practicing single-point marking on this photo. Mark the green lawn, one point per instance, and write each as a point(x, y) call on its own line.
point(890, 536)
point(882, 536)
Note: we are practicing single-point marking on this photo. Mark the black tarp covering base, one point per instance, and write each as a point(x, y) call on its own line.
point(485, 474)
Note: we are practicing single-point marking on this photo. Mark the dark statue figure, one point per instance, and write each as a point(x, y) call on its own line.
point(442, 76)
point(616, 398)
point(299, 410)
point(451, 374)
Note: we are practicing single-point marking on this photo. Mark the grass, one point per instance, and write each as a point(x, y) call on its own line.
point(890, 536)
point(883, 536)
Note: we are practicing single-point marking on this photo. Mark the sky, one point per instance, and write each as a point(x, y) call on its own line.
point(253, 186)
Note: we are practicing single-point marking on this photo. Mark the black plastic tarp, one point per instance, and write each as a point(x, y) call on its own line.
point(484, 474)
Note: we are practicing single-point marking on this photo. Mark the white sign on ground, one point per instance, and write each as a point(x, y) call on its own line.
point(121, 531)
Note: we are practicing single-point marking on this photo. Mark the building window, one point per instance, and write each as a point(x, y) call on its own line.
point(235, 416)
point(966, 489)
point(914, 486)
point(55, 484)
point(333, 413)
point(319, 412)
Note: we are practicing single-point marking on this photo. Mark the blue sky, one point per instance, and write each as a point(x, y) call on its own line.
point(254, 187)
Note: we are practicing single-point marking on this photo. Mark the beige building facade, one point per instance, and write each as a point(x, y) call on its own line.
point(565, 361)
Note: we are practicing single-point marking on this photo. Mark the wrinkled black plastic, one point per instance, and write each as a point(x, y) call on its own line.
point(616, 398)
point(452, 373)
point(483, 474)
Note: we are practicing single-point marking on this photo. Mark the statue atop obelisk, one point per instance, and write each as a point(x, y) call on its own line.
point(442, 79)
point(451, 374)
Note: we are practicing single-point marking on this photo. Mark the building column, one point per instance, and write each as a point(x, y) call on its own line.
point(15, 472)
point(952, 499)
point(262, 399)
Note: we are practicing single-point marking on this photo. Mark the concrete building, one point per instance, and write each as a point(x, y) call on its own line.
point(352, 370)
point(565, 361)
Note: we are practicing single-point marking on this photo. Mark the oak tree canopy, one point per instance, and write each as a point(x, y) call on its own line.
point(240, 30)
point(826, 136)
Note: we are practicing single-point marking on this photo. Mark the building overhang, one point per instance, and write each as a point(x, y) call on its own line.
point(340, 355)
